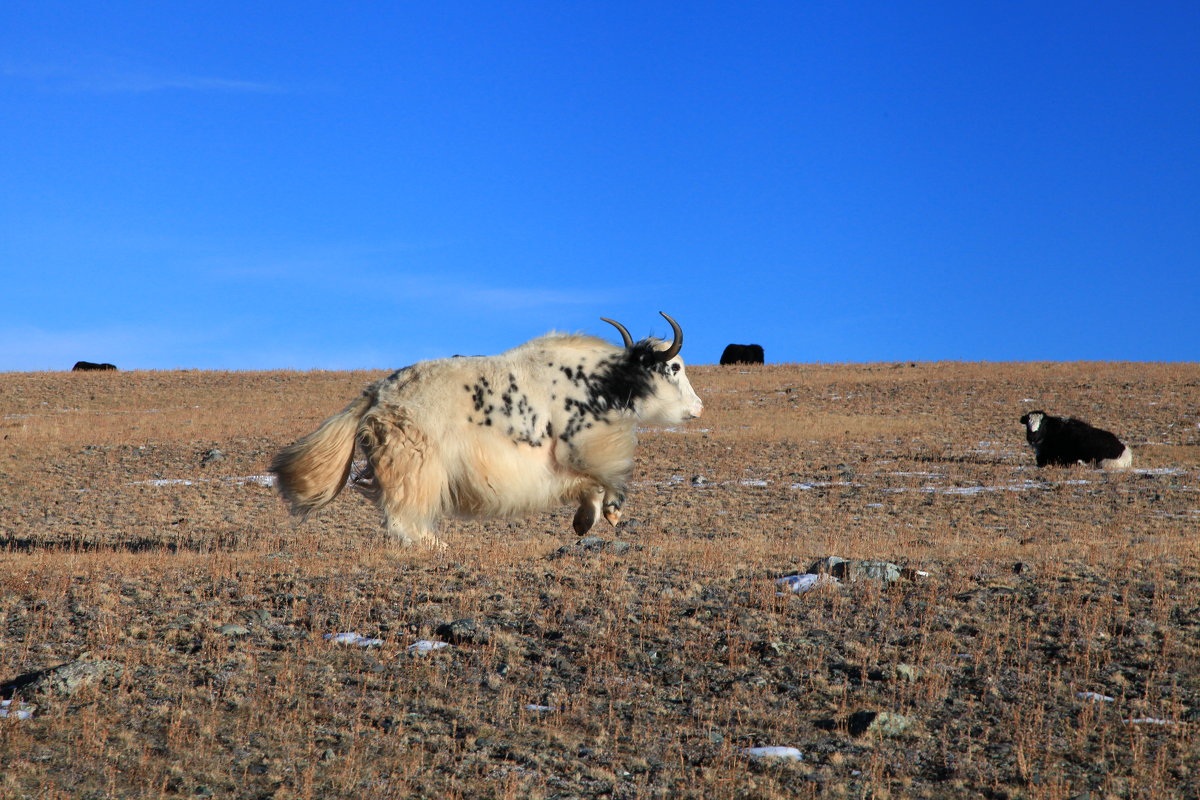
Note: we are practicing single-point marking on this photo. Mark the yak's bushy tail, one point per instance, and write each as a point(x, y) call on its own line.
point(311, 472)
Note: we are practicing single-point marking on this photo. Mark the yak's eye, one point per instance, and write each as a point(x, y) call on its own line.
point(674, 369)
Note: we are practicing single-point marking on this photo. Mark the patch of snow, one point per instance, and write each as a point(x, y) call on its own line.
point(350, 637)
point(807, 485)
point(22, 711)
point(426, 646)
point(799, 584)
point(1191, 513)
point(536, 707)
point(240, 480)
point(965, 490)
point(754, 482)
point(785, 753)
point(1150, 721)
point(1159, 471)
point(1095, 697)
point(261, 480)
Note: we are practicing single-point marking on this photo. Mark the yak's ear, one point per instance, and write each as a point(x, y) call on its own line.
point(1025, 420)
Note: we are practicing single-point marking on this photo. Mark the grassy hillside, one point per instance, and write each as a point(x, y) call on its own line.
point(139, 540)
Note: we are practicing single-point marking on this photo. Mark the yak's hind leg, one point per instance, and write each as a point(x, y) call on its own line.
point(406, 478)
point(589, 509)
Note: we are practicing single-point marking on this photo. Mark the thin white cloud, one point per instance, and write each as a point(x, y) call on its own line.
point(30, 348)
point(526, 298)
point(153, 83)
point(353, 270)
point(109, 81)
point(467, 292)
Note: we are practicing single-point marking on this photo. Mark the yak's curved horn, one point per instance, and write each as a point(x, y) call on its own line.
point(673, 350)
point(624, 333)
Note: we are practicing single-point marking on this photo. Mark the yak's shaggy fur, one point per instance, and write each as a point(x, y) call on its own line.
point(549, 422)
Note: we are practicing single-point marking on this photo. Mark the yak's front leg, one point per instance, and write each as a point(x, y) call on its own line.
point(614, 501)
point(410, 534)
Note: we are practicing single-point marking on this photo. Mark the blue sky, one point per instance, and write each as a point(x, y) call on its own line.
point(314, 185)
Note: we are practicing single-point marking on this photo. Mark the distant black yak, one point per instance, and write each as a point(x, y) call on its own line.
point(90, 366)
point(743, 354)
point(1064, 441)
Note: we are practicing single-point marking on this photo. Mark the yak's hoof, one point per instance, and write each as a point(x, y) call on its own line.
point(585, 518)
point(431, 544)
point(612, 509)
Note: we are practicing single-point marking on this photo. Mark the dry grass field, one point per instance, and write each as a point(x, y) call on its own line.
point(191, 612)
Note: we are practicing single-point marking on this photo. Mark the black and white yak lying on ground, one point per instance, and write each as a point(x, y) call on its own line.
point(551, 421)
point(1063, 441)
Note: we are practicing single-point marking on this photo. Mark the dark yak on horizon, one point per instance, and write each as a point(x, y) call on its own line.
point(91, 366)
point(743, 354)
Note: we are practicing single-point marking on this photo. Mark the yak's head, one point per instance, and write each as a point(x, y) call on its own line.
point(1033, 424)
point(657, 381)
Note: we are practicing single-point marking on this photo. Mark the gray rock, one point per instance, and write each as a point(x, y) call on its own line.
point(464, 631)
point(66, 679)
point(879, 723)
point(257, 616)
point(908, 673)
point(590, 545)
point(878, 571)
point(211, 455)
point(233, 629)
point(887, 723)
point(849, 570)
point(827, 566)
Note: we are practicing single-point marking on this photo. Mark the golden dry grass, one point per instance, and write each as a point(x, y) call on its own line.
point(661, 663)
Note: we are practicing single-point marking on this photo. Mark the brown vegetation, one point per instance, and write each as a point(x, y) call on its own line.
point(125, 540)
